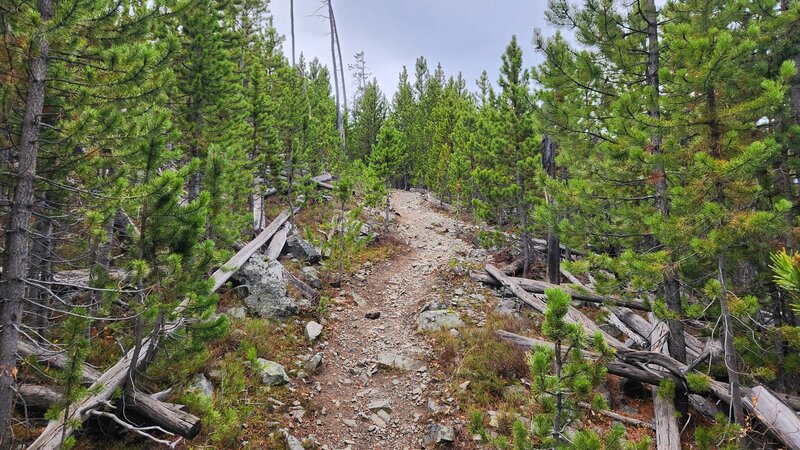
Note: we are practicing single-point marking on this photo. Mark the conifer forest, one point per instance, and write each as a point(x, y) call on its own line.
point(212, 241)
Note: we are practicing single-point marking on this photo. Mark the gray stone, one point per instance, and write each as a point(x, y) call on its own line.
point(202, 386)
point(384, 416)
point(437, 434)
point(313, 330)
point(435, 320)
point(292, 443)
point(313, 363)
point(311, 276)
point(400, 362)
point(433, 408)
point(434, 305)
point(237, 313)
point(380, 423)
point(267, 288)
point(379, 405)
point(302, 249)
point(272, 373)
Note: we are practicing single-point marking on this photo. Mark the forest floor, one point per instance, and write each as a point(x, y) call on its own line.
point(356, 401)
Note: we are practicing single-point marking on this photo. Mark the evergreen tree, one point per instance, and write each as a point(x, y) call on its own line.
point(386, 160)
point(507, 182)
point(368, 116)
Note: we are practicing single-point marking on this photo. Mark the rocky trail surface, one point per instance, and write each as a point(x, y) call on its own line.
point(378, 387)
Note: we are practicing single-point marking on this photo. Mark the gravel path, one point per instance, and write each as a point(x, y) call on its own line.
point(359, 402)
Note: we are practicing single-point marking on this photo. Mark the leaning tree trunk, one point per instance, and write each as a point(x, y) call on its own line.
point(339, 120)
point(15, 264)
point(341, 61)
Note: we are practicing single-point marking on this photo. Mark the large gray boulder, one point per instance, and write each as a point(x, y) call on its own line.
point(302, 249)
point(266, 288)
point(272, 373)
point(435, 320)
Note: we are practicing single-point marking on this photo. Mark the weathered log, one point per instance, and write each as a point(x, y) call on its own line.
point(224, 273)
point(627, 366)
point(615, 367)
point(514, 267)
point(322, 178)
point(779, 418)
point(79, 278)
point(307, 291)
point(321, 181)
point(539, 305)
point(38, 397)
point(113, 378)
point(166, 415)
point(668, 434)
point(55, 359)
point(278, 241)
point(619, 417)
point(538, 287)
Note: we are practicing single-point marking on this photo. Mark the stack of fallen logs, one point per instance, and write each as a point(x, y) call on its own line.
point(168, 418)
point(776, 412)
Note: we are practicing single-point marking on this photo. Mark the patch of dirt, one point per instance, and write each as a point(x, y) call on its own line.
point(351, 379)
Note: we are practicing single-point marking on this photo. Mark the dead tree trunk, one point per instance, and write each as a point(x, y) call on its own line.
point(553, 242)
point(339, 120)
point(779, 418)
point(668, 435)
point(15, 265)
point(731, 360)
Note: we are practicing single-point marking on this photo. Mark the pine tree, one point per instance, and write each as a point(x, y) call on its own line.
point(507, 182)
point(368, 116)
point(404, 113)
point(386, 159)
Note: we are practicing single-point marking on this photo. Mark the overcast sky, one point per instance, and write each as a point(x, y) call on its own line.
point(464, 35)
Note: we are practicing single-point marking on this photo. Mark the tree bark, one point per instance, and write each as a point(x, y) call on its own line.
point(780, 419)
point(15, 265)
point(553, 243)
point(291, 18)
point(668, 436)
point(341, 61)
point(731, 360)
point(670, 286)
point(339, 121)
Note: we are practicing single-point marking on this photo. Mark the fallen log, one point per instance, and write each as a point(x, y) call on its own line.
point(322, 181)
point(166, 415)
point(619, 417)
point(55, 359)
point(627, 366)
point(103, 389)
point(224, 273)
point(778, 417)
point(538, 287)
point(39, 397)
point(278, 241)
point(539, 305)
point(307, 291)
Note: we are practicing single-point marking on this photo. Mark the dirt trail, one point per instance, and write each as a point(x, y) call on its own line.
point(351, 379)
